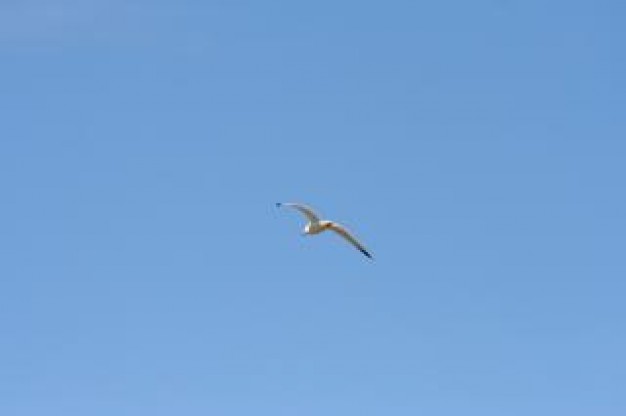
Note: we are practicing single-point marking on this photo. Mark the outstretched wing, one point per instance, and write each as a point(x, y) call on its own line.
point(345, 234)
point(308, 212)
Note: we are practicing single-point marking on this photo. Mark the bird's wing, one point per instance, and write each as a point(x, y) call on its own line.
point(345, 234)
point(308, 212)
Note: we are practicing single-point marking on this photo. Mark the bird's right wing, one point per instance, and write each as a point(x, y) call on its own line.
point(345, 234)
point(308, 212)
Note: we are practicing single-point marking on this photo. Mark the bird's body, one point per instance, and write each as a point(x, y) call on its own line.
point(315, 226)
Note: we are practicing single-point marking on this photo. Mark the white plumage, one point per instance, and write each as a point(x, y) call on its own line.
point(316, 225)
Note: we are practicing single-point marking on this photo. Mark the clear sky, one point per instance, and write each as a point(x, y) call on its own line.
point(478, 148)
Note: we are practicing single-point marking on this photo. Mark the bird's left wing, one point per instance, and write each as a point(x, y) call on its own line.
point(307, 211)
point(345, 234)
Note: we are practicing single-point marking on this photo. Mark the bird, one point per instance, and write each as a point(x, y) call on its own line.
point(316, 225)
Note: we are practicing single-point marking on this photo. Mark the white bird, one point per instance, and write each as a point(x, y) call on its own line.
point(316, 226)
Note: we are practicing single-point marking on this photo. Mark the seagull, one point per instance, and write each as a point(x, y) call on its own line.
point(316, 226)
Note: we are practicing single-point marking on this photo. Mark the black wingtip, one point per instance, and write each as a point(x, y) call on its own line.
point(278, 204)
point(368, 255)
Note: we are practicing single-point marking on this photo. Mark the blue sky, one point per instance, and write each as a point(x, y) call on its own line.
point(477, 148)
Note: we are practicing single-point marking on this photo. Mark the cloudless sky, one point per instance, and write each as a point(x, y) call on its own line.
point(478, 148)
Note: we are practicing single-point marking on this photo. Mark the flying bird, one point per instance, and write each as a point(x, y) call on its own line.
point(316, 225)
